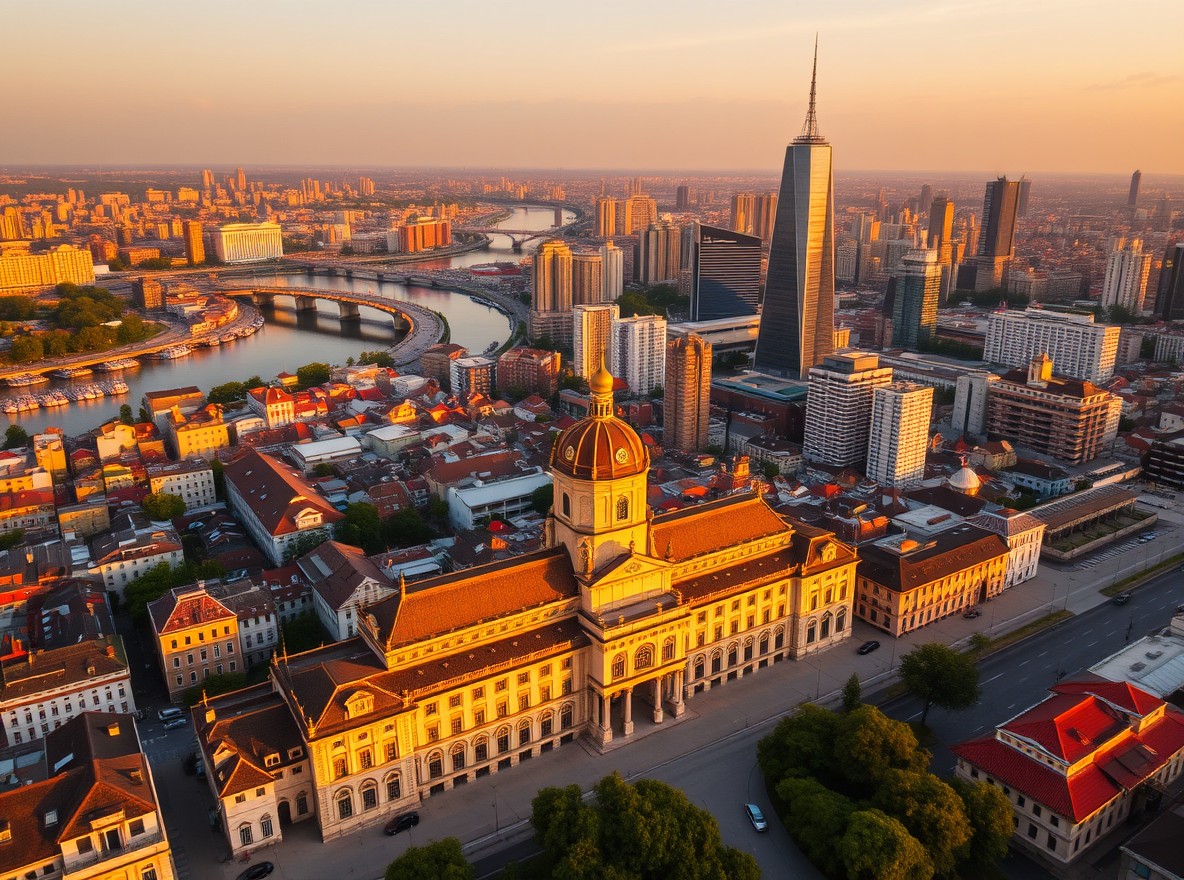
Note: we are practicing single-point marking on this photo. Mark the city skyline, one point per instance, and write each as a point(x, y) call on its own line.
point(725, 98)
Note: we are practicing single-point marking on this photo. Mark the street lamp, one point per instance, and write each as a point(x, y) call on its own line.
point(497, 827)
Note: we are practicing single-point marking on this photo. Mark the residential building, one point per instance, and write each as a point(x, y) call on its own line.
point(743, 212)
point(612, 272)
point(898, 437)
point(1127, 270)
point(159, 404)
point(797, 320)
point(199, 434)
point(195, 248)
point(1164, 461)
point(421, 234)
point(725, 272)
point(592, 329)
point(529, 371)
point(1080, 348)
point(196, 637)
point(1078, 764)
point(587, 278)
point(248, 242)
point(473, 375)
point(839, 407)
point(1023, 535)
point(191, 480)
point(659, 255)
point(764, 213)
point(618, 611)
point(637, 352)
point(133, 547)
point(606, 217)
point(552, 277)
point(277, 506)
point(902, 583)
point(1068, 419)
point(635, 214)
point(686, 404)
point(436, 361)
point(20, 269)
point(971, 393)
point(95, 813)
point(274, 405)
point(27, 509)
point(471, 507)
point(915, 289)
point(332, 450)
point(344, 581)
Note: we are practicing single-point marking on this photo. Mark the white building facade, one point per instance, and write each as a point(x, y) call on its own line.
point(1127, 269)
point(1080, 348)
point(592, 328)
point(638, 352)
point(248, 242)
point(839, 407)
point(192, 481)
point(899, 434)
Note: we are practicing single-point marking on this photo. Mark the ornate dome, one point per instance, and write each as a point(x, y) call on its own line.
point(600, 446)
point(965, 481)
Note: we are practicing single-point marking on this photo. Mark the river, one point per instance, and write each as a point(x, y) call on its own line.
point(287, 340)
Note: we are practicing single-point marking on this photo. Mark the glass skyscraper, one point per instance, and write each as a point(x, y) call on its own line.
point(725, 272)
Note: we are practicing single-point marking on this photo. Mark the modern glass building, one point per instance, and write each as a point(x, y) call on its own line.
point(725, 272)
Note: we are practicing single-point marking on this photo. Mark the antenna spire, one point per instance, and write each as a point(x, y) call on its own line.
point(810, 133)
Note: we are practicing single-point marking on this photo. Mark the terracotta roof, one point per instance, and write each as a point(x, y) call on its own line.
point(251, 725)
point(275, 493)
point(740, 575)
point(336, 570)
point(1120, 693)
point(706, 528)
point(488, 592)
point(946, 553)
point(33, 673)
point(183, 607)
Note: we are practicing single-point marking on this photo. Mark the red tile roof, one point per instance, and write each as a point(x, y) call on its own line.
point(706, 528)
point(275, 493)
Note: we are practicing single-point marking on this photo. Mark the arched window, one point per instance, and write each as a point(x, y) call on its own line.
point(763, 647)
point(566, 716)
point(244, 834)
point(644, 658)
point(699, 666)
point(394, 787)
point(266, 829)
point(779, 638)
point(458, 757)
point(619, 666)
point(369, 795)
point(481, 749)
point(748, 645)
point(566, 504)
point(717, 659)
point(622, 507)
point(733, 654)
point(811, 631)
point(435, 765)
point(826, 619)
point(841, 620)
point(524, 732)
point(503, 740)
point(547, 723)
point(345, 804)
point(668, 650)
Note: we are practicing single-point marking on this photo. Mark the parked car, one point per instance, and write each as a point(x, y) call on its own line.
point(868, 647)
point(170, 714)
point(257, 872)
point(175, 723)
point(756, 817)
point(1121, 599)
point(401, 823)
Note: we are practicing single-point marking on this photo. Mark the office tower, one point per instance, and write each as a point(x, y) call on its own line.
point(1021, 202)
point(660, 253)
point(1163, 214)
point(941, 222)
point(798, 318)
point(686, 405)
point(725, 272)
point(763, 216)
point(1068, 419)
point(552, 277)
point(638, 352)
point(1127, 269)
point(743, 209)
point(916, 289)
point(207, 179)
point(587, 279)
point(1000, 203)
point(926, 198)
point(606, 216)
point(899, 434)
point(636, 186)
point(591, 332)
point(1132, 197)
point(195, 249)
point(1169, 299)
point(612, 272)
point(1080, 348)
point(248, 242)
point(970, 403)
point(682, 198)
point(635, 214)
point(839, 407)
point(240, 180)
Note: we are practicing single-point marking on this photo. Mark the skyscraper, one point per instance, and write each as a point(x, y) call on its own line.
point(240, 180)
point(612, 260)
point(1021, 202)
point(660, 253)
point(639, 212)
point(1169, 301)
point(587, 278)
point(195, 249)
point(941, 222)
point(592, 328)
point(207, 179)
point(725, 272)
point(798, 319)
point(552, 277)
point(1132, 197)
point(1125, 281)
point(839, 407)
point(1000, 207)
point(899, 434)
point(682, 197)
point(764, 215)
point(743, 209)
point(915, 288)
point(606, 216)
point(687, 402)
point(638, 352)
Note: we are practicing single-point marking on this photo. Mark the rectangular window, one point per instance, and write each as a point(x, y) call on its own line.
point(429, 709)
point(458, 726)
point(366, 759)
point(433, 733)
point(478, 693)
point(478, 717)
point(523, 678)
point(392, 750)
point(523, 702)
point(454, 701)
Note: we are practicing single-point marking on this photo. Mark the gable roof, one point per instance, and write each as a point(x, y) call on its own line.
point(701, 529)
point(336, 570)
point(184, 607)
point(275, 493)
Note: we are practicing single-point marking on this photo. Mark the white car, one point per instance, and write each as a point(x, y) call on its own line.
point(756, 817)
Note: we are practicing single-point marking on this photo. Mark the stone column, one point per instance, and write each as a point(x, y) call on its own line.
point(679, 705)
point(658, 699)
point(604, 729)
point(628, 712)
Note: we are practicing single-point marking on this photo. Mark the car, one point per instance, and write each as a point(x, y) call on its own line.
point(170, 714)
point(756, 817)
point(256, 872)
point(175, 723)
point(868, 647)
point(972, 613)
point(1121, 599)
point(401, 823)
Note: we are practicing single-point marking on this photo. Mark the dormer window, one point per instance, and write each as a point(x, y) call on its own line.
point(359, 703)
point(271, 760)
point(51, 818)
point(5, 831)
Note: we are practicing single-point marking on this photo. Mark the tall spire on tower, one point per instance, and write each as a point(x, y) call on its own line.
point(810, 133)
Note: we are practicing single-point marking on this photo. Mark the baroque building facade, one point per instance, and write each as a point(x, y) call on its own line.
point(618, 621)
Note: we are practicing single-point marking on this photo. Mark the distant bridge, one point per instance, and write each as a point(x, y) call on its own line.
point(518, 237)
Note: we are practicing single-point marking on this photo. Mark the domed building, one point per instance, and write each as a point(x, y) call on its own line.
point(965, 480)
point(619, 619)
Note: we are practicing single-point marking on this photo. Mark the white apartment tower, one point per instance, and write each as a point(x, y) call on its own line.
point(1127, 268)
point(970, 402)
point(592, 329)
point(248, 242)
point(612, 272)
point(899, 434)
point(1080, 348)
point(839, 407)
point(638, 352)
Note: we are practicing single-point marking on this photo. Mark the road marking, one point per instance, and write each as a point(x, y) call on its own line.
point(1042, 653)
point(1000, 675)
point(1091, 644)
point(1023, 664)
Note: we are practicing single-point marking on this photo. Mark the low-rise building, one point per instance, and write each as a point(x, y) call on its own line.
point(27, 509)
point(529, 370)
point(199, 434)
point(196, 637)
point(274, 405)
point(307, 456)
point(344, 580)
point(1024, 536)
point(191, 480)
point(158, 404)
point(133, 547)
point(470, 506)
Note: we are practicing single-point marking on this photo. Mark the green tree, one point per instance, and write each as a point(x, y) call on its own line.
point(940, 676)
point(214, 685)
point(770, 470)
point(800, 745)
point(16, 437)
point(868, 745)
point(17, 308)
point(379, 358)
point(126, 415)
point(324, 469)
point(440, 860)
point(361, 527)
point(219, 478)
point(303, 633)
point(11, 539)
point(312, 374)
point(852, 693)
point(818, 817)
point(877, 847)
point(162, 505)
point(145, 414)
point(26, 349)
point(633, 303)
point(989, 812)
point(406, 529)
point(932, 812)
point(542, 498)
point(306, 543)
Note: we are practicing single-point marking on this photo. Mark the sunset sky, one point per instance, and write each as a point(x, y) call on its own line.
point(974, 85)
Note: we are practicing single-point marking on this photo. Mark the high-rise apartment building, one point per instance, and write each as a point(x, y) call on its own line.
point(638, 352)
point(725, 272)
point(743, 212)
point(1132, 197)
point(686, 405)
point(207, 179)
point(592, 331)
point(915, 289)
point(839, 407)
point(587, 278)
point(1081, 348)
point(606, 216)
point(612, 272)
point(1127, 269)
point(970, 403)
point(764, 214)
point(899, 434)
point(195, 248)
point(660, 253)
point(941, 223)
point(798, 317)
point(1169, 299)
point(248, 242)
point(635, 214)
point(529, 370)
point(21, 269)
point(240, 180)
point(552, 277)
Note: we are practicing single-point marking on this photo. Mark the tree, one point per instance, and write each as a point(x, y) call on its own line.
point(867, 745)
point(406, 529)
point(16, 437)
point(989, 812)
point(378, 358)
point(214, 685)
point(361, 527)
point(312, 374)
point(162, 506)
point(940, 676)
point(11, 539)
point(542, 498)
point(800, 745)
point(770, 470)
point(877, 847)
point(26, 349)
point(126, 415)
point(440, 860)
point(852, 693)
point(932, 812)
point(303, 633)
point(324, 469)
point(818, 817)
point(145, 414)
point(307, 542)
point(219, 478)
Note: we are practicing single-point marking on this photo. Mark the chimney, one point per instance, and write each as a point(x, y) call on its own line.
point(138, 776)
point(112, 729)
point(110, 650)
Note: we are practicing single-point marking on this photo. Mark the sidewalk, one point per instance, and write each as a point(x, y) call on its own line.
point(489, 812)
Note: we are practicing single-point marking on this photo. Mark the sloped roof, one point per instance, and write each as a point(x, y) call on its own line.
point(275, 493)
point(946, 553)
point(59, 667)
point(336, 570)
point(183, 607)
point(706, 528)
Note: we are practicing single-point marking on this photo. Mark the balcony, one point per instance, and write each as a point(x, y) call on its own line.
point(85, 860)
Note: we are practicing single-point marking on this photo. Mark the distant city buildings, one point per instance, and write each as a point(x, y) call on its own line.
point(612, 272)
point(1169, 301)
point(587, 278)
point(420, 234)
point(659, 253)
point(195, 248)
point(915, 290)
point(1081, 348)
point(996, 237)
